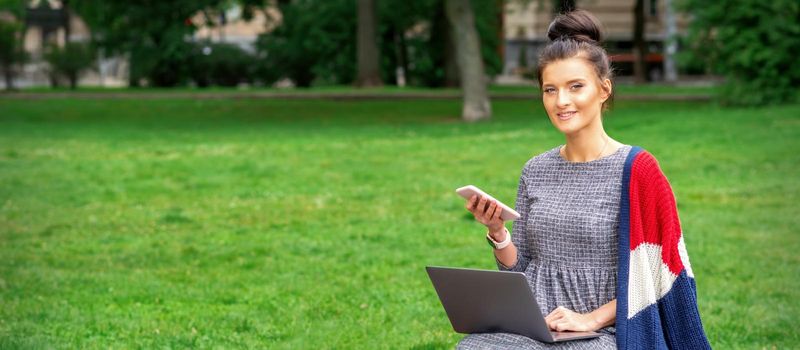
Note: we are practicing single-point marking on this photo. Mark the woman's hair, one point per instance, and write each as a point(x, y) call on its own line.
point(576, 34)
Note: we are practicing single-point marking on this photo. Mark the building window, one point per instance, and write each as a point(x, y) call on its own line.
point(653, 8)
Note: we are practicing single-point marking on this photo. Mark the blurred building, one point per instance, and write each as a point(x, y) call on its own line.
point(230, 27)
point(526, 22)
point(49, 22)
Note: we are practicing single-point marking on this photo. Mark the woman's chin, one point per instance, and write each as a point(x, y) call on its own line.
point(564, 127)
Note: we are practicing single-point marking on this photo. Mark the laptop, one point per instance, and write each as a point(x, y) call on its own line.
point(484, 301)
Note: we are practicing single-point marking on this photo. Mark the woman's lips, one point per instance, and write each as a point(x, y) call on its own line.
point(566, 115)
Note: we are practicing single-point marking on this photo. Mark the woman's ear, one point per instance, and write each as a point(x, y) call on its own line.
point(606, 88)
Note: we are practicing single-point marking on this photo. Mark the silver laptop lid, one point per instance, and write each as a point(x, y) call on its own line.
point(484, 301)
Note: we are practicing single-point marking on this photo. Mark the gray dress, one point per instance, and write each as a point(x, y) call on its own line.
point(566, 240)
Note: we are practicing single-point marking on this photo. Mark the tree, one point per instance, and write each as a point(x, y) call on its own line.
point(443, 47)
point(563, 6)
point(639, 44)
point(476, 104)
point(671, 45)
point(754, 44)
point(152, 33)
point(368, 55)
point(315, 42)
point(70, 61)
point(12, 53)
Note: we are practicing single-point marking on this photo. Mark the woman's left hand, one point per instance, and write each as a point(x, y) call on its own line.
point(563, 319)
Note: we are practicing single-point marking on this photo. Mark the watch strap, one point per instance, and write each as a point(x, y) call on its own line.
point(496, 244)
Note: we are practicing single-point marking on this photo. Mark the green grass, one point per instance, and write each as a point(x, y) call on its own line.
point(308, 224)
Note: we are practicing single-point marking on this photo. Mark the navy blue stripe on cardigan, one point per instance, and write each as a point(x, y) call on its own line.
point(624, 250)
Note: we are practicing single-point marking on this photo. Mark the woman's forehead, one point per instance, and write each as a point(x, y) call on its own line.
point(567, 70)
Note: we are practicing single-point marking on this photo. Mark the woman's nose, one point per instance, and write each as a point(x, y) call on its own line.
point(563, 99)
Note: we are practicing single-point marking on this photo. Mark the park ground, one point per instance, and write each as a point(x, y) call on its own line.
point(304, 223)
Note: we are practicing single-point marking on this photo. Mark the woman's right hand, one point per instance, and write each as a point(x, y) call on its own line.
point(488, 213)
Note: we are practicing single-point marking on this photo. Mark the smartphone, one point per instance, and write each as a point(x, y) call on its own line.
point(468, 191)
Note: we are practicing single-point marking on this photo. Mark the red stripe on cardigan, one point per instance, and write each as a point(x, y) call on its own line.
point(655, 219)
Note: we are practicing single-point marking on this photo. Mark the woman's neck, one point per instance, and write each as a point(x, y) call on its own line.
point(587, 145)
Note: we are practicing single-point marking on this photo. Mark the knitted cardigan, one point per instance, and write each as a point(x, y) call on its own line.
point(656, 293)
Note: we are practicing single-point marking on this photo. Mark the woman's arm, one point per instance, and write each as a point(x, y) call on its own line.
point(508, 255)
point(563, 319)
point(488, 213)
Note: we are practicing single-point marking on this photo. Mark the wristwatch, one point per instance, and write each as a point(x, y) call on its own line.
point(496, 244)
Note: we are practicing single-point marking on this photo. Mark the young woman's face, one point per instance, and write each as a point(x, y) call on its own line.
point(573, 95)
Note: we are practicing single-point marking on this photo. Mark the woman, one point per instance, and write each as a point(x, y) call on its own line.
point(598, 237)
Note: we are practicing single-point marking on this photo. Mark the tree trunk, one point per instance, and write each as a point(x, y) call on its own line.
point(500, 15)
point(53, 79)
point(66, 18)
point(369, 74)
point(671, 44)
point(9, 76)
point(73, 80)
point(452, 76)
point(443, 39)
point(639, 45)
point(401, 68)
point(470, 62)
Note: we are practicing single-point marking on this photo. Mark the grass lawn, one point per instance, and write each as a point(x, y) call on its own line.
point(181, 223)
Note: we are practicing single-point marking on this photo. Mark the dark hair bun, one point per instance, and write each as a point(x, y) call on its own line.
point(578, 25)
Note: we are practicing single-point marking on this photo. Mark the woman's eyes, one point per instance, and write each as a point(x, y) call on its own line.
point(571, 87)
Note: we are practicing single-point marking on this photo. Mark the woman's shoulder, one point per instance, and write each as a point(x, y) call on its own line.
point(548, 156)
point(643, 165)
point(639, 156)
point(542, 160)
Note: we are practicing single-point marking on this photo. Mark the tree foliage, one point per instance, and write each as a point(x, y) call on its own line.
point(428, 42)
point(314, 44)
point(12, 53)
point(70, 60)
point(316, 41)
point(155, 34)
point(754, 44)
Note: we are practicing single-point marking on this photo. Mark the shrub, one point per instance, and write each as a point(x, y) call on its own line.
point(754, 44)
point(70, 60)
point(221, 64)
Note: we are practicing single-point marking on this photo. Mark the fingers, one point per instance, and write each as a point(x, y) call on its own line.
point(553, 320)
point(477, 205)
point(490, 209)
point(483, 209)
point(554, 317)
point(562, 326)
point(482, 205)
point(472, 202)
point(556, 312)
point(497, 212)
point(563, 319)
